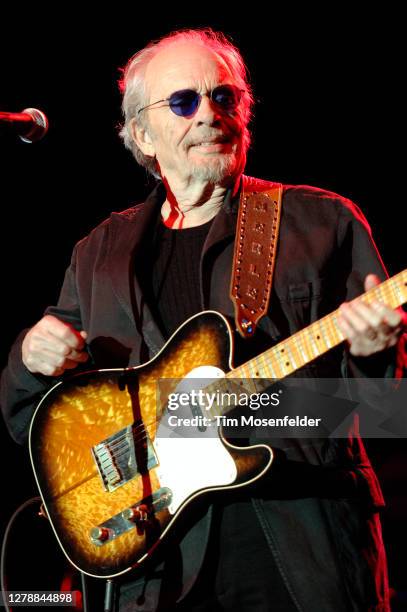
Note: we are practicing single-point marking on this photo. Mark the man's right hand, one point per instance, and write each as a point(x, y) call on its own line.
point(52, 346)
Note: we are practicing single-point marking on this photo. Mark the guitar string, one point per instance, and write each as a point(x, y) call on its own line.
point(139, 429)
point(136, 438)
point(120, 450)
point(116, 446)
point(387, 290)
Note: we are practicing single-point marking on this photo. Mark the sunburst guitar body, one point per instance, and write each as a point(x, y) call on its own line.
point(114, 476)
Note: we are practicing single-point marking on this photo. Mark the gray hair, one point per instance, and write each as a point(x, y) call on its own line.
point(133, 85)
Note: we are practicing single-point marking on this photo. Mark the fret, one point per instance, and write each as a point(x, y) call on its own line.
point(299, 338)
point(309, 334)
point(290, 352)
point(328, 343)
point(285, 361)
point(279, 368)
point(327, 336)
point(370, 297)
point(297, 359)
point(262, 367)
point(399, 291)
point(252, 368)
point(384, 293)
point(272, 361)
point(397, 294)
point(315, 336)
point(247, 370)
point(255, 368)
point(393, 291)
point(330, 322)
point(330, 331)
point(311, 343)
point(240, 372)
point(321, 337)
point(268, 367)
point(391, 295)
point(265, 363)
point(380, 292)
point(279, 352)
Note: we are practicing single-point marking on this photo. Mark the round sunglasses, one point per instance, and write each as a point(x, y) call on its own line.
point(186, 101)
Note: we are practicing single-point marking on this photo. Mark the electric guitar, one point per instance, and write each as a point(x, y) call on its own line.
point(115, 478)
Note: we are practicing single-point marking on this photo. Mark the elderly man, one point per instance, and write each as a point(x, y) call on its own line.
point(313, 545)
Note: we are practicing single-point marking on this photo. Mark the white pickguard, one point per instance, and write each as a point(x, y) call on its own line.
point(196, 460)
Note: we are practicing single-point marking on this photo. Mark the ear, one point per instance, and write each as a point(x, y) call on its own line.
point(142, 138)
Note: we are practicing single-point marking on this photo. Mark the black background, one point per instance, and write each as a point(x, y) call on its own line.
point(328, 86)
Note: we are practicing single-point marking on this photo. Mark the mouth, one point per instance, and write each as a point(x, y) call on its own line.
point(213, 139)
point(213, 144)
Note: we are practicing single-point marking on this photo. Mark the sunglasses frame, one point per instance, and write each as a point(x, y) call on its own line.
point(233, 88)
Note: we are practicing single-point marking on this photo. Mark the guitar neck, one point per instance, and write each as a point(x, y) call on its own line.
point(316, 339)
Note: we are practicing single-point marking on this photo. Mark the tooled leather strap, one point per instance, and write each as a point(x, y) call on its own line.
point(255, 250)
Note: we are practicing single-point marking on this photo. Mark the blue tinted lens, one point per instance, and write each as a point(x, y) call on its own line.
point(226, 96)
point(184, 102)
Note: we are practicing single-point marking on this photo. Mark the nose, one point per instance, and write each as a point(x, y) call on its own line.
point(207, 112)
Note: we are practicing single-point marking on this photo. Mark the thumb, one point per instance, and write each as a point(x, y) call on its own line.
point(83, 335)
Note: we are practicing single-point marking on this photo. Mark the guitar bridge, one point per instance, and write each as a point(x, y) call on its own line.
point(124, 455)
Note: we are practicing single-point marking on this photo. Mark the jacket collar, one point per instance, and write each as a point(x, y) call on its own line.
point(126, 230)
point(224, 224)
point(125, 236)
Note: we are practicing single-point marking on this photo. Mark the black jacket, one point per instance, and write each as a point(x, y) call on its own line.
point(325, 251)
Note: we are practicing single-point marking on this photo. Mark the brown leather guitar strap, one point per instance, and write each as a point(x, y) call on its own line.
point(255, 251)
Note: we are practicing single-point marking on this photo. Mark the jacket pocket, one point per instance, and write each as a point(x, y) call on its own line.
point(302, 302)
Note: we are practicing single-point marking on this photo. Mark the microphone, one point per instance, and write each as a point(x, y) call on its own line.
point(31, 124)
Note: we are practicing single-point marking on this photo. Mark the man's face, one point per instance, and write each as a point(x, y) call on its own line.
point(206, 145)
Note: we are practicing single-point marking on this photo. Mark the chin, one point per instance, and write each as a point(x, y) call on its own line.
point(216, 170)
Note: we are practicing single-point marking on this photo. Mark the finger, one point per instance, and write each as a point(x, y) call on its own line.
point(47, 345)
point(389, 316)
point(64, 332)
point(367, 313)
point(47, 342)
point(78, 356)
point(59, 358)
point(354, 319)
point(371, 280)
point(346, 329)
point(48, 369)
point(54, 366)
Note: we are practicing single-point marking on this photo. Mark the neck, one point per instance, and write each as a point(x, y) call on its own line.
point(192, 204)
